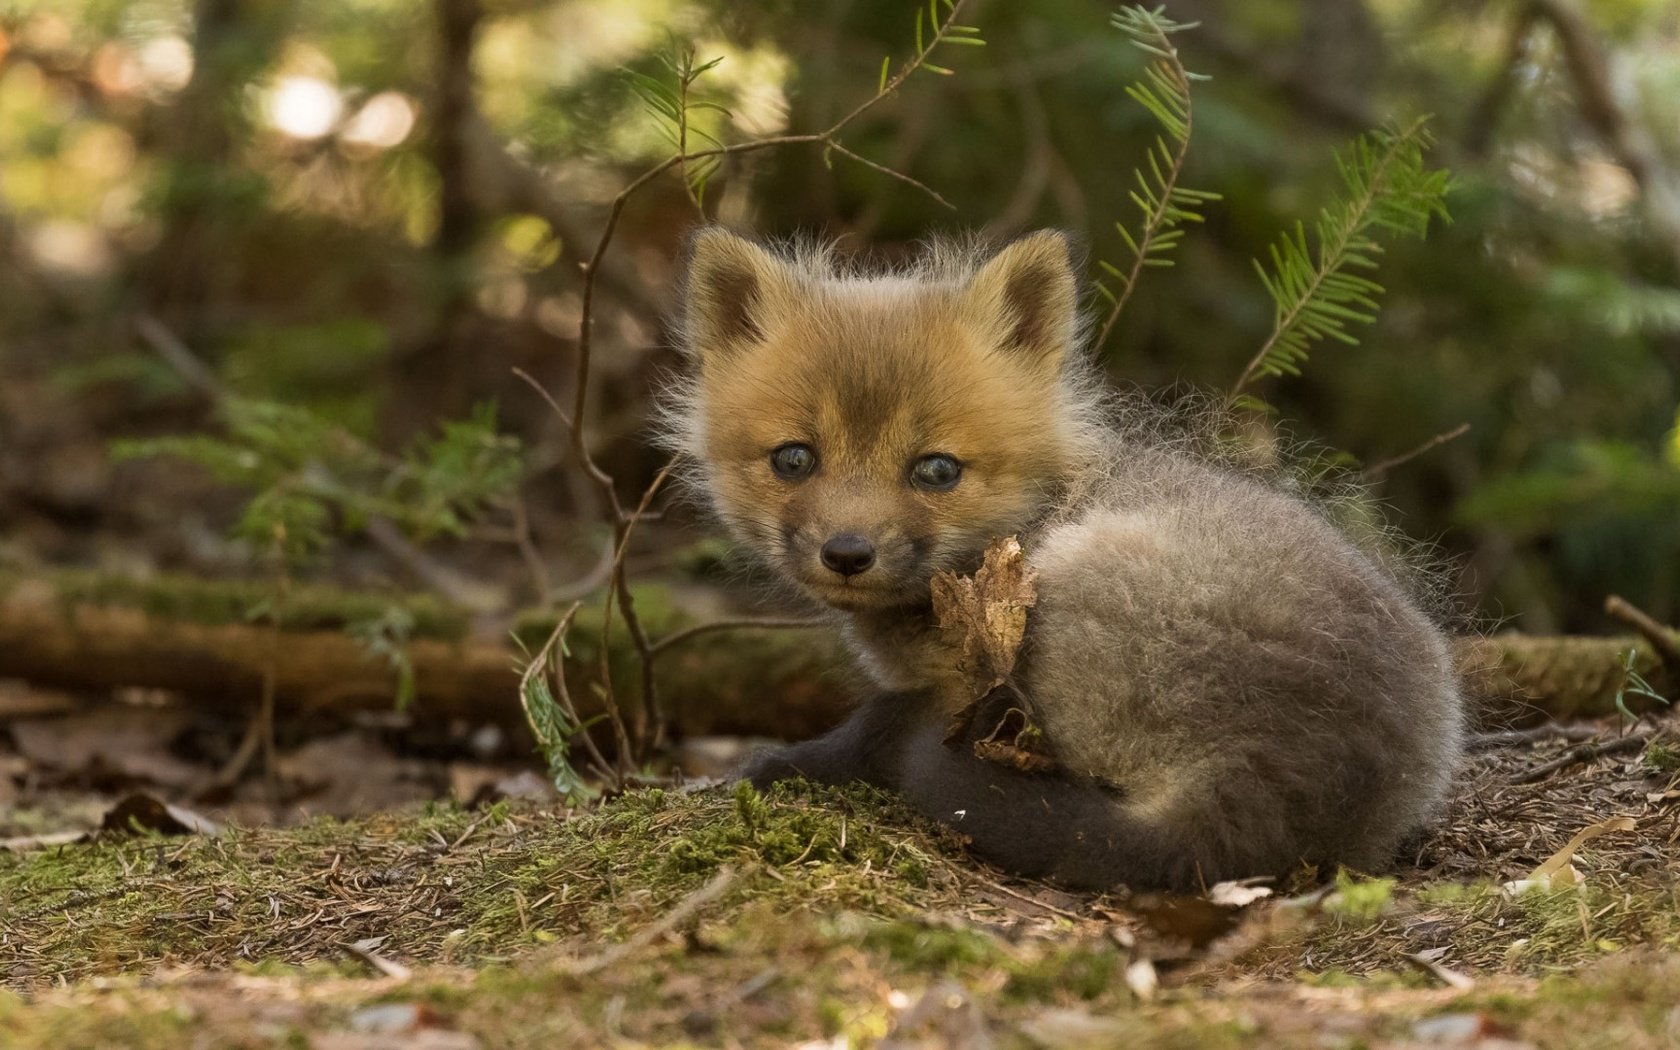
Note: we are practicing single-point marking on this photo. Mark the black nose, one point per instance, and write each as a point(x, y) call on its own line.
point(848, 554)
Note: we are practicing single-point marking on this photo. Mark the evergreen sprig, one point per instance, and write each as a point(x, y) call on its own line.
point(941, 29)
point(671, 102)
point(1164, 206)
point(1317, 287)
point(304, 474)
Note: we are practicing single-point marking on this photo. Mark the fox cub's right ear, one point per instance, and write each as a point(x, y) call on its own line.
point(1028, 296)
point(734, 287)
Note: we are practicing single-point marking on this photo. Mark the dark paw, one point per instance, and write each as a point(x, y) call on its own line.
point(767, 766)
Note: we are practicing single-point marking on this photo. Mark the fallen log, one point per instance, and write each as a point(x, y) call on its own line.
point(73, 630)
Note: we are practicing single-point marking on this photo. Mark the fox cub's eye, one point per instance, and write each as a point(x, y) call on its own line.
point(937, 472)
point(793, 460)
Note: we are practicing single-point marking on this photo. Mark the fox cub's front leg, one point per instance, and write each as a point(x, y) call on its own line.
point(864, 747)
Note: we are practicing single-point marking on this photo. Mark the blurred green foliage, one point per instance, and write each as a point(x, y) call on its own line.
point(307, 477)
point(302, 192)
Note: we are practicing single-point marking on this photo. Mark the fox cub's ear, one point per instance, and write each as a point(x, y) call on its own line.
point(734, 287)
point(1028, 296)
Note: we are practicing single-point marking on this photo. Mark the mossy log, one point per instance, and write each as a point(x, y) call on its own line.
point(77, 630)
point(1514, 678)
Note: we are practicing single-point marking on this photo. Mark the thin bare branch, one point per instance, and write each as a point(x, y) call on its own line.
point(445, 580)
point(527, 546)
point(1377, 471)
point(893, 173)
point(1533, 735)
point(1581, 753)
point(589, 582)
point(543, 393)
point(1628, 141)
point(176, 354)
point(668, 923)
point(760, 623)
point(1661, 639)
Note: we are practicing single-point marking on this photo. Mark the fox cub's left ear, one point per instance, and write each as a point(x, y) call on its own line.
point(734, 289)
point(1028, 297)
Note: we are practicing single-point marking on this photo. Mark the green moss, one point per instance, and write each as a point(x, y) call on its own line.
point(454, 886)
point(924, 947)
point(1360, 901)
point(1455, 894)
point(25, 1028)
point(819, 936)
point(1082, 970)
point(1662, 758)
point(783, 982)
point(767, 828)
point(307, 607)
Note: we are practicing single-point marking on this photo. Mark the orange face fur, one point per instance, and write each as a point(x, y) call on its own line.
point(870, 377)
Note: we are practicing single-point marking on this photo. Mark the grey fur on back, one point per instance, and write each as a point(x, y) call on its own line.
point(1244, 674)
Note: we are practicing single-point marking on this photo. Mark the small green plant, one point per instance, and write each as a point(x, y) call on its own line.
point(1662, 758)
point(310, 480)
point(1634, 684)
point(386, 637)
point(554, 719)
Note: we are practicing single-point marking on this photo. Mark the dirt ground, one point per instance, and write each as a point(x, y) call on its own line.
point(713, 916)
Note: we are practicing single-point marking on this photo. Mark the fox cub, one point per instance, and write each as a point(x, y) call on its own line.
point(1228, 685)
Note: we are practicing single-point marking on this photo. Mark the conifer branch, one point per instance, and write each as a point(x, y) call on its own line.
point(1164, 204)
point(1387, 189)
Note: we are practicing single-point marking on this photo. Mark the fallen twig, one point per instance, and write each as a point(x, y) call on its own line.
point(1445, 974)
point(670, 921)
point(1584, 753)
point(1517, 737)
point(1028, 898)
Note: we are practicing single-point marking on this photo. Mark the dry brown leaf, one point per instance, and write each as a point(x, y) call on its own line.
point(109, 744)
point(1015, 743)
point(1557, 871)
point(990, 609)
point(138, 811)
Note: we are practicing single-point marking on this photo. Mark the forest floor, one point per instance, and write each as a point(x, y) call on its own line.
point(714, 916)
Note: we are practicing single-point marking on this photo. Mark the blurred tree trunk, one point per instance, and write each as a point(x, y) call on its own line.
point(1340, 49)
point(1328, 73)
point(206, 196)
point(431, 378)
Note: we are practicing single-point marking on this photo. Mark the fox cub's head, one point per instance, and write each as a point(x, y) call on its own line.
point(863, 432)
